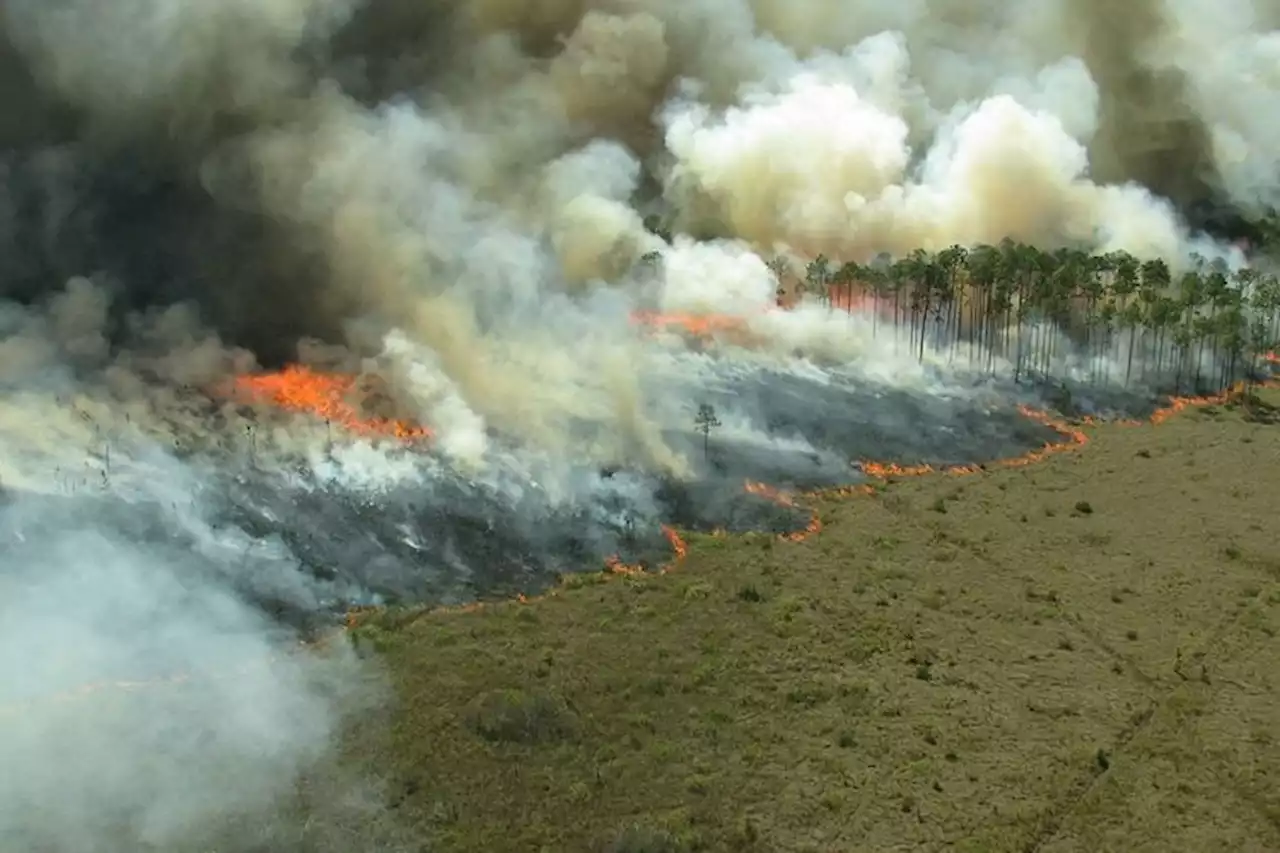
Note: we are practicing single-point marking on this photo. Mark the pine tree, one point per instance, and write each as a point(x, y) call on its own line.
point(706, 421)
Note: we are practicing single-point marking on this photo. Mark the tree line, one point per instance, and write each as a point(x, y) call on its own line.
point(1117, 318)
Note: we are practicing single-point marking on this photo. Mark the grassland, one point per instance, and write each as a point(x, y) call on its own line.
point(1080, 655)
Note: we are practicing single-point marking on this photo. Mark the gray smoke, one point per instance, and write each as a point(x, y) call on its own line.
point(145, 704)
point(455, 195)
point(146, 700)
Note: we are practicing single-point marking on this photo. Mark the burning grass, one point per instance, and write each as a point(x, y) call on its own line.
point(1072, 655)
point(331, 397)
point(1015, 673)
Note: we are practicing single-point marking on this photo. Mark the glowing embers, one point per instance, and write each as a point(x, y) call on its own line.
point(679, 549)
point(333, 397)
point(709, 325)
point(1072, 438)
point(700, 325)
point(1177, 404)
point(786, 499)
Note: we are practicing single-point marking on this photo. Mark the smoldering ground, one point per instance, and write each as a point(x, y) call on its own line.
point(145, 704)
point(162, 544)
point(453, 196)
point(473, 512)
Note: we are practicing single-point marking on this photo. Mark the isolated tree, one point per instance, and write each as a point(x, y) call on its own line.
point(706, 421)
point(648, 266)
point(655, 226)
point(779, 266)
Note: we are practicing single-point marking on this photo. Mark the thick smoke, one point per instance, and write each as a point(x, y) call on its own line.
point(142, 701)
point(444, 168)
point(466, 206)
point(454, 196)
point(145, 702)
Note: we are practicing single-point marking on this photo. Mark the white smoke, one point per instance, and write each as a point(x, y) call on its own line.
point(475, 208)
point(146, 698)
point(143, 702)
point(821, 168)
point(478, 210)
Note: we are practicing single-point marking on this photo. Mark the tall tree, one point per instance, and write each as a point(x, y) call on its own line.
point(818, 277)
point(984, 270)
point(780, 268)
point(706, 421)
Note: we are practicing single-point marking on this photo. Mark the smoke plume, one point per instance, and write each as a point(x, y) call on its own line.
point(460, 199)
point(148, 698)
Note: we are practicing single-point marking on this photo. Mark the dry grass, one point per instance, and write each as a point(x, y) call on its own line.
point(1076, 656)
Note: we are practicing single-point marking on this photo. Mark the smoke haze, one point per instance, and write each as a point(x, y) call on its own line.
point(453, 196)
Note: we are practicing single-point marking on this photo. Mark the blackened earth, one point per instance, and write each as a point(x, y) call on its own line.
point(450, 539)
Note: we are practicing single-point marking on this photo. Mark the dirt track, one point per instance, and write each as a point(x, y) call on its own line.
point(1074, 656)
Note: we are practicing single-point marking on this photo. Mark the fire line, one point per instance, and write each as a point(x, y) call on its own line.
point(327, 396)
point(1074, 438)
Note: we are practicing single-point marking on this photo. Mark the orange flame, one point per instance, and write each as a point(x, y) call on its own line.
point(851, 301)
point(324, 395)
point(707, 325)
point(786, 499)
point(768, 492)
point(1178, 404)
point(679, 550)
point(696, 324)
point(1075, 438)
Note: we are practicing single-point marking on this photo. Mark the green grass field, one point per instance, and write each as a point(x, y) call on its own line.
point(1079, 655)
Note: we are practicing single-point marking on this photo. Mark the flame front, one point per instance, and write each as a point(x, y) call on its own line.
point(708, 325)
point(323, 395)
point(1072, 438)
point(786, 499)
point(679, 549)
point(298, 388)
point(702, 325)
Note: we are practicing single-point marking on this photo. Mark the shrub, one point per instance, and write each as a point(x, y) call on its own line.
point(517, 716)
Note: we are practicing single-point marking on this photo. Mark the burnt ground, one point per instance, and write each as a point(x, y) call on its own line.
point(1074, 656)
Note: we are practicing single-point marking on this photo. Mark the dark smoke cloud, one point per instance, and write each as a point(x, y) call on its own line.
point(1148, 131)
point(188, 163)
point(452, 196)
point(251, 89)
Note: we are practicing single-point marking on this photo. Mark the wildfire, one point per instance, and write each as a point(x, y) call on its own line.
point(300, 389)
point(1178, 404)
point(177, 678)
point(709, 325)
point(1073, 437)
point(329, 396)
point(856, 490)
point(702, 325)
point(679, 549)
point(785, 499)
point(768, 492)
point(851, 301)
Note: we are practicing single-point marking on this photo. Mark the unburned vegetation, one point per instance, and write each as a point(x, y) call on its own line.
point(1077, 655)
